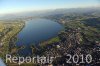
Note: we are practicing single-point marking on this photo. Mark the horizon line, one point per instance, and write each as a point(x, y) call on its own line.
point(46, 10)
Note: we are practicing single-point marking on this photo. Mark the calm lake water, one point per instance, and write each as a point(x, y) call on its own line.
point(2, 63)
point(37, 30)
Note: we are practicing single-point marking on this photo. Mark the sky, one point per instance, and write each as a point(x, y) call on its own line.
point(14, 6)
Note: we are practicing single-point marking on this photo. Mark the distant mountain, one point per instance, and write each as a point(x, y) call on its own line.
point(94, 11)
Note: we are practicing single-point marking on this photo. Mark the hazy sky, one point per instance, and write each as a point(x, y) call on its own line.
point(13, 6)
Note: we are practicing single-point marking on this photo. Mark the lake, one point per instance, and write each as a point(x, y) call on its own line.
point(37, 30)
point(2, 62)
